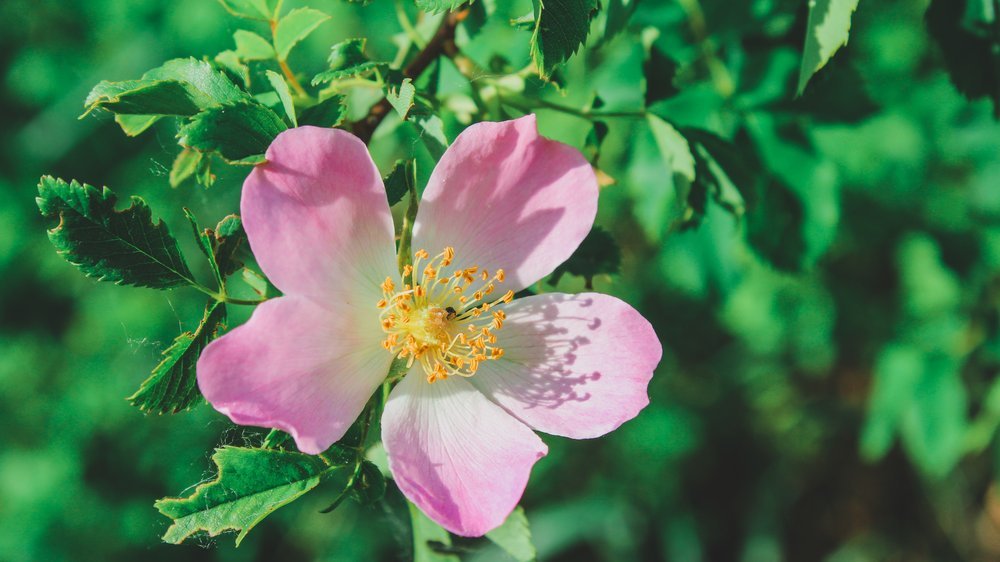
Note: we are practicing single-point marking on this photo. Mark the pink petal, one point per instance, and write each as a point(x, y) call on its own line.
point(317, 217)
point(505, 197)
point(297, 366)
point(460, 458)
point(573, 365)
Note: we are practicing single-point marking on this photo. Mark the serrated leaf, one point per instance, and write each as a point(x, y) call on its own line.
point(173, 386)
point(514, 537)
point(236, 131)
point(294, 27)
point(125, 247)
point(146, 97)
point(429, 539)
point(202, 76)
point(400, 180)
point(185, 166)
point(251, 9)
point(347, 59)
point(561, 27)
point(598, 254)
point(251, 484)
point(134, 125)
point(401, 97)
point(827, 30)
point(327, 113)
point(437, 6)
point(250, 46)
point(284, 94)
point(232, 63)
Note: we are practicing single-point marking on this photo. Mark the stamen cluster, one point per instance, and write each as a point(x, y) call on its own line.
point(444, 320)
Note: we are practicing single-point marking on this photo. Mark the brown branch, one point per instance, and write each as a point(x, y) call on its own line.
point(443, 43)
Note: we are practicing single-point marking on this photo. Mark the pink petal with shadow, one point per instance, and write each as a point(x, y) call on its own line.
point(573, 365)
point(505, 197)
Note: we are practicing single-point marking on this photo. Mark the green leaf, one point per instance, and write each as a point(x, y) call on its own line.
point(369, 487)
point(327, 113)
point(666, 201)
point(227, 239)
point(202, 76)
point(250, 46)
point(972, 60)
point(431, 128)
point(231, 62)
point(618, 13)
point(187, 163)
point(561, 27)
point(252, 9)
point(251, 484)
point(295, 27)
point(514, 537)
point(173, 386)
point(284, 94)
point(436, 6)
point(401, 97)
point(125, 247)
point(598, 254)
point(347, 59)
point(204, 239)
point(429, 538)
point(659, 71)
point(826, 31)
point(400, 180)
point(146, 97)
point(134, 125)
point(234, 130)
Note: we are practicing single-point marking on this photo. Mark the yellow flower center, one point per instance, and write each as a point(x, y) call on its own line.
point(446, 321)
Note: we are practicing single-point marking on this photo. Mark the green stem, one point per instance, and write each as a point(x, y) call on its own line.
point(404, 257)
point(525, 104)
point(407, 25)
point(222, 297)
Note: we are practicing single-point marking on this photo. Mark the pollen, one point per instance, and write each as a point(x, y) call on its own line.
point(433, 324)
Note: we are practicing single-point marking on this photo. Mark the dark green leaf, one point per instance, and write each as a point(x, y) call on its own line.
point(227, 239)
point(598, 254)
point(561, 27)
point(234, 130)
point(972, 59)
point(146, 97)
point(327, 113)
point(514, 537)
point(125, 247)
point(235, 68)
point(826, 31)
point(369, 487)
point(618, 13)
point(251, 484)
point(202, 76)
point(173, 386)
point(400, 180)
point(294, 27)
point(659, 70)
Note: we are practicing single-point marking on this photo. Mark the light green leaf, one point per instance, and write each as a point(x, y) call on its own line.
point(125, 247)
point(146, 97)
point(134, 125)
point(250, 46)
point(234, 130)
point(284, 94)
point(202, 76)
point(185, 165)
point(173, 385)
point(826, 31)
point(401, 97)
point(561, 27)
point(252, 9)
point(514, 536)
point(435, 6)
point(667, 200)
point(295, 27)
point(429, 538)
point(251, 484)
point(232, 63)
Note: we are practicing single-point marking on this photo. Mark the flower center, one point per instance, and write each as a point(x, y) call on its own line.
point(445, 321)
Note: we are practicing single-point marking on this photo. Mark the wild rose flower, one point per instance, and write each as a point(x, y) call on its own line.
point(503, 208)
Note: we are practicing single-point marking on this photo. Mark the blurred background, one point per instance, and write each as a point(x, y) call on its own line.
point(831, 332)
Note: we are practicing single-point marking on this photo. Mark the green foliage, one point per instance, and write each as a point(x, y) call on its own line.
point(400, 181)
point(235, 131)
point(561, 27)
point(264, 10)
point(173, 386)
point(191, 163)
point(125, 247)
point(971, 48)
point(514, 537)
point(401, 97)
point(347, 59)
point(598, 254)
point(826, 31)
point(294, 27)
point(146, 97)
point(250, 46)
point(327, 113)
point(435, 6)
point(430, 541)
point(251, 484)
point(284, 95)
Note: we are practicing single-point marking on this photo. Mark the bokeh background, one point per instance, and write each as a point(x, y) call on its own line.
point(828, 389)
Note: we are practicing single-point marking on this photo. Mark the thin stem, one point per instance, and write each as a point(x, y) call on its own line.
point(289, 75)
point(403, 257)
point(526, 104)
point(404, 22)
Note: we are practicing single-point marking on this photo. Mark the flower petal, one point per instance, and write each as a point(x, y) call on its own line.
point(573, 365)
point(296, 366)
point(317, 217)
point(505, 197)
point(460, 458)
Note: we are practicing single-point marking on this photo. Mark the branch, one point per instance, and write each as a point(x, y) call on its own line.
point(443, 43)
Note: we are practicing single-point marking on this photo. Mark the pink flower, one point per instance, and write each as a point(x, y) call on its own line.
point(502, 209)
